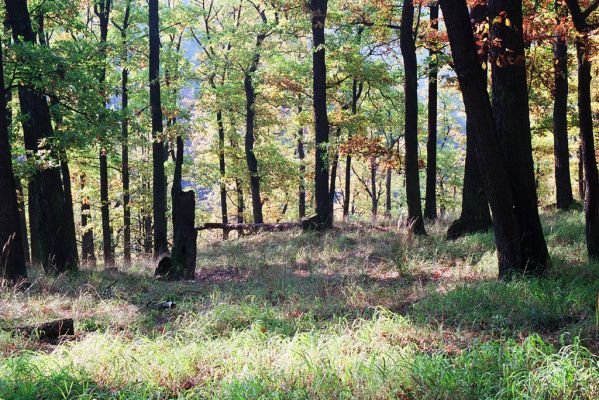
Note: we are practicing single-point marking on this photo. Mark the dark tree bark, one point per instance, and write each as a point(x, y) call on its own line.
point(125, 140)
point(388, 193)
point(324, 212)
point(302, 171)
point(87, 235)
point(159, 177)
point(334, 167)
point(12, 254)
point(374, 197)
point(475, 215)
point(408, 51)
point(183, 257)
point(510, 110)
point(223, 171)
point(68, 200)
point(22, 219)
point(356, 93)
point(563, 184)
point(250, 121)
point(585, 117)
point(484, 131)
point(430, 206)
point(580, 174)
point(252, 161)
point(102, 10)
point(50, 229)
point(240, 201)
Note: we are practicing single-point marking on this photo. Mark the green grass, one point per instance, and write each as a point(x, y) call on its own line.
point(357, 313)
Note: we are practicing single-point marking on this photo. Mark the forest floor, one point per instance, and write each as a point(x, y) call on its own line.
point(361, 312)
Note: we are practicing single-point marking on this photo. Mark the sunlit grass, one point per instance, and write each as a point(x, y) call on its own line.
point(357, 313)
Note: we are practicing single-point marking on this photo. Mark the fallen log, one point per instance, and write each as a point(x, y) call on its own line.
point(283, 226)
point(48, 330)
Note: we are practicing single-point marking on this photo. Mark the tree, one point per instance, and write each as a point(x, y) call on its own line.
point(475, 215)
point(12, 252)
point(484, 132)
point(159, 177)
point(430, 207)
point(408, 51)
point(324, 211)
point(102, 10)
point(563, 184)
point(50, 230)
point(511, 114)
point(585, 117)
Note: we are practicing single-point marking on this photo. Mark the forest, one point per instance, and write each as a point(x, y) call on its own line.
point(299, 199)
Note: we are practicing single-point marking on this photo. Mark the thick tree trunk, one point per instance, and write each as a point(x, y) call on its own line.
point(47, 202)
point(240, 201)
point(430, 207)
point(159, 177)
point(408, 50)
point(183, 259)
point(252, 162)
point(302, 171)
point(563, 184)
point(486, 142)
point(510, 111)
point(475, 215)
point(12, 254)
point(68, 200)
point(324, 211)
point(223, 171)
point(591, 176)
point(87, 234)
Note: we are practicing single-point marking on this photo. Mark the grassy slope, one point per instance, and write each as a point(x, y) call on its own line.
point(357, 313)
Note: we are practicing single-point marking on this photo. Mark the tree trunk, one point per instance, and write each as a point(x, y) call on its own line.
point(486, 142)
point(223, 171)
point(87, 235)
point(125, 168)
point(324, 211)
point(302, 171)
point(333, 181)
point(158, 158)
point(475, 215)
point(240, 201)
point(252, 162)
point(408, 50)
point(102, 10)
point(12, 254)
point(356, 93)
point(374, 197)
point(563, 184)
point(591, 176)
point(125, 145)
point(510, 111)
point(22, 219)
point(388, 192)
point(430, 207)
point(47, 200)
point(184, 231)
point(68, 200)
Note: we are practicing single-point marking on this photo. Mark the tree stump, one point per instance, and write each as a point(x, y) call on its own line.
point(184, 252)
